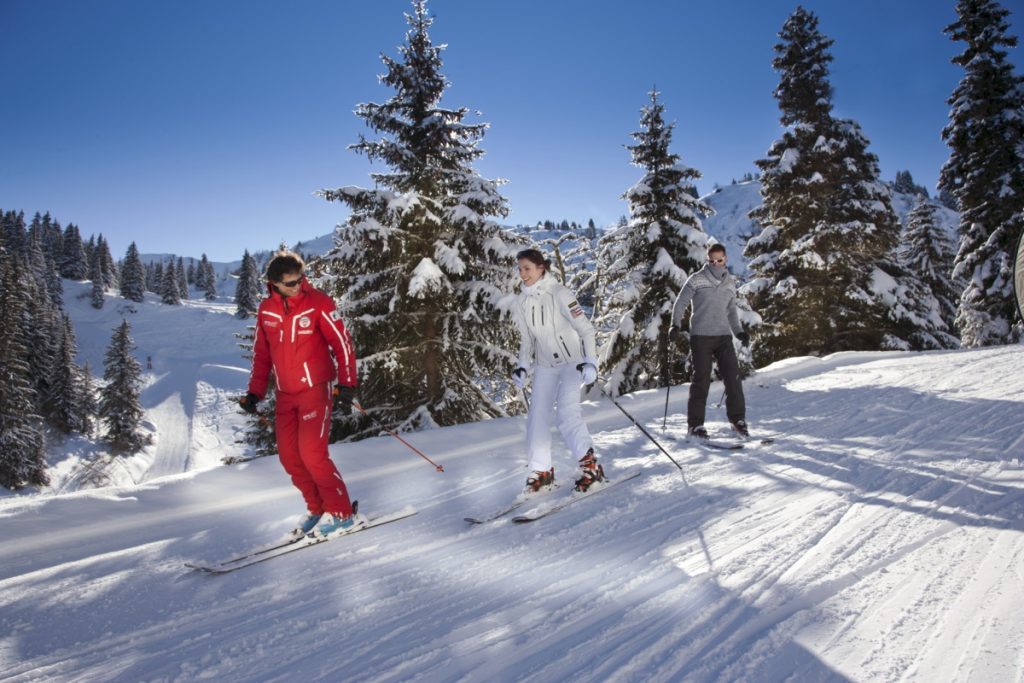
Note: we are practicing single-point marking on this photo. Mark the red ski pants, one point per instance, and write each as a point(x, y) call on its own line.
point(303, 426)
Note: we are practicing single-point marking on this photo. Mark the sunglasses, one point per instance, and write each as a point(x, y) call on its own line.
point(716, 260)
point(292, 283)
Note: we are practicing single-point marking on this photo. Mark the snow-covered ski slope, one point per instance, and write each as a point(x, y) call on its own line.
point(881, 538)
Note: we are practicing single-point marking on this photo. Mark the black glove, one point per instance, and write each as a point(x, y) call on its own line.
point(519, 377)
point(744, 338)
point(673, 334)
point(248, 403)
point(343, 397)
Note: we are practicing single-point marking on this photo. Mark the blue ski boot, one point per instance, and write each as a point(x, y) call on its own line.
point(332, 524)
point(304, 526)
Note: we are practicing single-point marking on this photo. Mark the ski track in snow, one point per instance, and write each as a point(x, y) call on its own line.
point(878, 539)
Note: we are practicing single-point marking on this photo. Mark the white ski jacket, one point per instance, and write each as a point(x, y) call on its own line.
point(553, 328)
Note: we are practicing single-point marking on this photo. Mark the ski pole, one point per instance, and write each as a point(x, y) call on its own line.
point(645, 432)
point(719, 404)
point(407, 444)
point(526, 398)
point(668, 385)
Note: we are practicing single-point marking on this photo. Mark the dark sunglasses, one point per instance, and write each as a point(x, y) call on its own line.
point(292, 283)
point(716, 260)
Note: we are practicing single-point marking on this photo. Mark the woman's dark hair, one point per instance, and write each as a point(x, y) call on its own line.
point(282, 263)
point(535, 257)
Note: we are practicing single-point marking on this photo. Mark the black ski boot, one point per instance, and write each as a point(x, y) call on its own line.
point(740, 427)
point(699, 432)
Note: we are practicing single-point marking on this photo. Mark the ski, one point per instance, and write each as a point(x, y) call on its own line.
point(728, 445)
point(283, 549)
point(508, 509)
point(544, 511)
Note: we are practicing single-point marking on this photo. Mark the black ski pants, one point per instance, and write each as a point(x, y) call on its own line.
point(718, 348)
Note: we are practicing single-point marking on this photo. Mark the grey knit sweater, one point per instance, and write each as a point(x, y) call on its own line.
point(714, 304)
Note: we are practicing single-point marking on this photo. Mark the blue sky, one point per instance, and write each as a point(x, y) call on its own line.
point(195, 127)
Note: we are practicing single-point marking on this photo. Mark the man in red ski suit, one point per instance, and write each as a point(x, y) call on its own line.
point(297, 329)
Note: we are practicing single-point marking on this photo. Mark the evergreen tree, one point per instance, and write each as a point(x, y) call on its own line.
point(22, 444)
point(14, 234)
point(96, 276)
point(156, 281)
point(107, 265)
point(985, 172)
point(927, 252)
point(648, 262)
point(247, 292)
point(64, 403)
point(419, 270)
point(119, 406)
point(823, 258)
point(73, 263)
point(169, 287)
point(207, 279)
point(86, 407)
point(182, 279)
point(133, 275)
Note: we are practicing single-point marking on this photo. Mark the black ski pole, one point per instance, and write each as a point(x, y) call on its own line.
point(668, 383)
point(645, 432)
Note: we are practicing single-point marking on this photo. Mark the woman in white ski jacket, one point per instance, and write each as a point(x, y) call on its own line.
point(558, 345)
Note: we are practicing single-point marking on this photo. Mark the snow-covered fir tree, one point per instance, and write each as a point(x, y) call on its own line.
point(206, 279)
point(73, 263)
point(155, 277)
point(15, 236)
point(926, 251)
point(905, 184)
point(419, 270)
point(96, 278)
point(169, 293)
point(182, 279)
point(64, 404)
point(133, 275)
point(22, 442)
point(985, 172)
point(107, 265)
point(86, 407)
point(248, 291)
point(44, 272)
point(119, 406)
point(646, 265)
point(822, 270)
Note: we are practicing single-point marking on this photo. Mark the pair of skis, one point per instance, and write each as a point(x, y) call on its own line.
point(546, 506)
point(292, 545)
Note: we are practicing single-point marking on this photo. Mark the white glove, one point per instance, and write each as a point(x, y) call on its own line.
point(589, 371)
point(519, 377)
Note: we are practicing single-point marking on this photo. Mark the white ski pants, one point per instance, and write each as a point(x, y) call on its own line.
point(556, 393)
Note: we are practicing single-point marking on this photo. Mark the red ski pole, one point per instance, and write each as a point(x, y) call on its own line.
point(407, 444)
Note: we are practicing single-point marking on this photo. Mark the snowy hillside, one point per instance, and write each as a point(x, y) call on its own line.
point(880, 538)
point(196, 366)
point(731, 226)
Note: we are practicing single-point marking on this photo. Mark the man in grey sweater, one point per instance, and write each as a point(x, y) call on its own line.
point(712, 326)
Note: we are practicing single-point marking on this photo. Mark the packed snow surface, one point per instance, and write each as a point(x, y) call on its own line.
point(878, 539)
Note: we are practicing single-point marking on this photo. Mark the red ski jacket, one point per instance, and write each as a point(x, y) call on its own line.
point(293, 336)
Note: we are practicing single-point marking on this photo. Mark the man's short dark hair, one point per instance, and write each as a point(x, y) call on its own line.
point(717, 246)
point(282, 263)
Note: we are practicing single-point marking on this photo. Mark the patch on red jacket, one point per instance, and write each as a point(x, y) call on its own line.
point(305, 322)
point(270, 323)
point(335, 314)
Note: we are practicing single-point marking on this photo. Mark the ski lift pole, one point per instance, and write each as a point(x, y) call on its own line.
point(406, 443)
point(645, 432)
